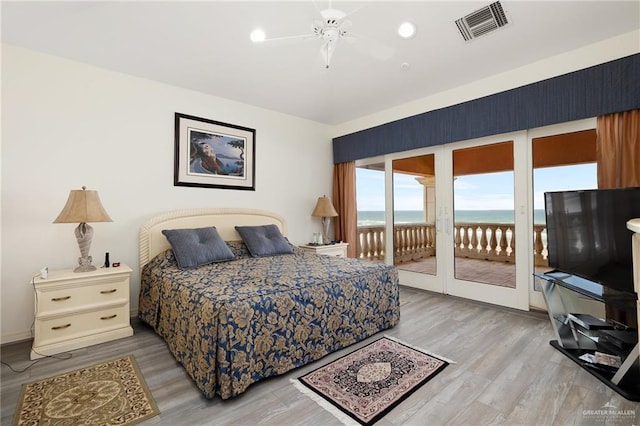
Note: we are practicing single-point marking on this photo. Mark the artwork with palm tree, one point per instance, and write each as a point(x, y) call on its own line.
point(213, 154)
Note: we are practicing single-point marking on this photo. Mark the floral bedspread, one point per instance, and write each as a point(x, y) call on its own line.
point(233, 323)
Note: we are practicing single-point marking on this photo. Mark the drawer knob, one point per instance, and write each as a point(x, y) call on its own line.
point(109, 317)
point(60, 299)
point(109, 291)
point(60, 327)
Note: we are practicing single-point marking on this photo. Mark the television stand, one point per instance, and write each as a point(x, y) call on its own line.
point(570, 298)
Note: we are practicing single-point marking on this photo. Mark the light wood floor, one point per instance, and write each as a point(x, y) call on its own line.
point(506, 373)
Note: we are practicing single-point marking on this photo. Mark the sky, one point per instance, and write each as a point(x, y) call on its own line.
point(489, 191)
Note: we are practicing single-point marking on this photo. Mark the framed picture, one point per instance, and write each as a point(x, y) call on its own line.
point(211, 154)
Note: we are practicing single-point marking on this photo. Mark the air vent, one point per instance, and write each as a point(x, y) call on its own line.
point(482, 21)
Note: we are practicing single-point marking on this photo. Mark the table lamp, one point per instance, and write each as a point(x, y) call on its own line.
point(325, 210)
point(83, 206)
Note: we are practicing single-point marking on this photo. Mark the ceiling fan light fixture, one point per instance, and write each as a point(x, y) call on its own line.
point(257, 35)
point(407, 30)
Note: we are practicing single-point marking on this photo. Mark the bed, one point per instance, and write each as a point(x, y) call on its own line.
point(233, 323)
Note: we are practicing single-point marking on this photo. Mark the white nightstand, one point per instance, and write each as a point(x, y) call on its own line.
point(78, 309)
point(337, 249)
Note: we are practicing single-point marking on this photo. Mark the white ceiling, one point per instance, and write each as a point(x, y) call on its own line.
point(205, 46)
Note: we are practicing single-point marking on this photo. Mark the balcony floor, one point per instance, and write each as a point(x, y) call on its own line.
point(482, 271)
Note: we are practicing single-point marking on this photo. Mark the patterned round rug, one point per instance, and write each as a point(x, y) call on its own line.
point(111, 393)
point(367, 383)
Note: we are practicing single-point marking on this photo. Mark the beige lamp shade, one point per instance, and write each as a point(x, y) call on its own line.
point(82, 207)
point(324, 208)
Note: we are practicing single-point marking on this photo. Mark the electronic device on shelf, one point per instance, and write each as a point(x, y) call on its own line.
point(587, 235)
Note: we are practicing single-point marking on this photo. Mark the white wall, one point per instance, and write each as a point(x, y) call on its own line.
point(67, 124)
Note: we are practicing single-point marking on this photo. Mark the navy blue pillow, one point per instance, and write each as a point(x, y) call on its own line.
point(197, 247)
point(265, 240)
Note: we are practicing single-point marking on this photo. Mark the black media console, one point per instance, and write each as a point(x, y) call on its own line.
point(580, 312)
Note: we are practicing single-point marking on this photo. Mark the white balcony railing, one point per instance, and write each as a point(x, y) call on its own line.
point(413, 241)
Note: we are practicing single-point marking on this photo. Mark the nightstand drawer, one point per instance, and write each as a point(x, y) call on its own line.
point(50, 330)
point(107, 290)
point(334, 250)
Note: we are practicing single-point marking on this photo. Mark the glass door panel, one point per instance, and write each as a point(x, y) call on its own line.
point(414, 214)
point(484, 214)
point(370, 199)
point(561, 162)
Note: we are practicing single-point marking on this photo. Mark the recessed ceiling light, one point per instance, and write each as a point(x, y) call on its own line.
point(257, 35)
point(407, 30)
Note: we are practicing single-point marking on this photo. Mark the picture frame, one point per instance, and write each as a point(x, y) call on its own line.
point(212, 154)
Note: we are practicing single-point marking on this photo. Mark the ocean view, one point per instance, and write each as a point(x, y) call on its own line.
point(370, 218)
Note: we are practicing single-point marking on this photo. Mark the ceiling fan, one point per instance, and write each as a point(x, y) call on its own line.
point(330, 30)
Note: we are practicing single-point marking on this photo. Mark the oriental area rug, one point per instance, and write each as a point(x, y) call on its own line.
point(363, 386)
point(111, 393)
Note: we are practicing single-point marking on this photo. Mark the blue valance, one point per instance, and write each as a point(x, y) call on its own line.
point(602, 89)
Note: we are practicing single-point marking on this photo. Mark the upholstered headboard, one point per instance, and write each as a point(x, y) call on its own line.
point(151, 241)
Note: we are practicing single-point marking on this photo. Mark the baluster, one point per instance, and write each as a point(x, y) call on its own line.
point(537, 246)
point(366, 247)
point(493, 242)
point(427, 237)
point(432, 236)
point(406, 242)
point(411, 246)
point(397, 249)
point(372, 244)
point(512, 244)
point(503, 242)
point(376, 245)
point(474, 239)
point(483, 239)
point(465, 238)
point(457, 237)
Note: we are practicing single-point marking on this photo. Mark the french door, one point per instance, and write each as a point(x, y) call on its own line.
point(487, 245)
point(462, 244)
point(462, 219)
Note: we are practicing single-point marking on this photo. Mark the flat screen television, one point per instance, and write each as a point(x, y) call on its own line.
point(587, 234)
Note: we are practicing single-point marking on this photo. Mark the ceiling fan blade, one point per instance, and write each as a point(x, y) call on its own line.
point(330, 13)
point(357, 9)
point(293, 37)
point(370, 47)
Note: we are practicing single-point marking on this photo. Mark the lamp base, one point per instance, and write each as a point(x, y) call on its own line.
point(85, 265)
point(85, 268)
point(325, 231)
